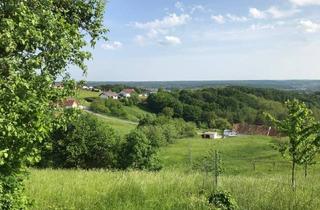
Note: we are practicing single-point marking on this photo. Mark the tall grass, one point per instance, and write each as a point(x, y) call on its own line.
point(62, 189)
point(173, 189)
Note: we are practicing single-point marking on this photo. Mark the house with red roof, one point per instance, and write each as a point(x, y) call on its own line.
point(126, 93)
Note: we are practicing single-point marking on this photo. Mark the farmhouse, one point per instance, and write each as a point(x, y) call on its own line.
point(229, 133)
point(211, 135)
point(109, 95)
point(71, 104)
point(126, 93)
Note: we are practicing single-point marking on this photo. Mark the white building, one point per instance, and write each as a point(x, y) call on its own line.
point(229, 133)
point(109, 95)
point(211, 135)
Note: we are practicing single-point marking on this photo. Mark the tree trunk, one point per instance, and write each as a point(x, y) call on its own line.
point(293, 176)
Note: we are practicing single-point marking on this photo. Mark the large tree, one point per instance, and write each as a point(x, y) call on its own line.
point(38, 41)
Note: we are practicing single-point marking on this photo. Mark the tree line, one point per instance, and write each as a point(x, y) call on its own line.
point(222, 107)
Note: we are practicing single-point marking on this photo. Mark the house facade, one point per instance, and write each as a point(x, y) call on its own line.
point(126, 93)
point(109, 95)
point(71, 104)
point(211, 135)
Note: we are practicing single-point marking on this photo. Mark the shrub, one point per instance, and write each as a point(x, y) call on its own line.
point(110, 107)
point(222, 200)
point(138, 152)
point(86, 143)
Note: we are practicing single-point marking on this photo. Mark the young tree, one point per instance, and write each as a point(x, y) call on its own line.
point(38, 40)
point(300, 127)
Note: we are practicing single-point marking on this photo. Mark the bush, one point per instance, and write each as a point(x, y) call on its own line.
point(86, 143)
point(12, 193)
point(138, 152)
point(109, 106)
point(222, 200)
point(167, 129)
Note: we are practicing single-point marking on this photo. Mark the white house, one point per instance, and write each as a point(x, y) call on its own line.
point(109, 95)
point(229, 133)
point(211, 135)
point(126, 93)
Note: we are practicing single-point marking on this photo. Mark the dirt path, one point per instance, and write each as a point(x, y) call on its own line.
point(110, 118)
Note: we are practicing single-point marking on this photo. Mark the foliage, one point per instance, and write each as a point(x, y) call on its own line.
point(233, 104)
point(132, 100)
point(38, 40)
point(223, 200)
point(86, 143)
point(166, 130)
point(139, 153)
point(109, 106)
point(301, 128)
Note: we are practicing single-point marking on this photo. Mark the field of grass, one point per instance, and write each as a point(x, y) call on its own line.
point(179, 185)
point(82, 94)
point(123, 127)
point(135, 113)
point(164, 190)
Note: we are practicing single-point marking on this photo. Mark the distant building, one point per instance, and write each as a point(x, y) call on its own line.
point(109, 95)
point(211, 135)
point(229, 133)
point(71, 104)
point(126, 93)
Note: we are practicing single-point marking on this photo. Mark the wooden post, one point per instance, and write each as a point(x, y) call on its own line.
point(254, 165)
point(216, 168)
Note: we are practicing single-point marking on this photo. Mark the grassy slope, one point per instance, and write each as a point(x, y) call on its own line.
point(177, 187)
point(237, 154)
point(121, 126)
point(165, 190)
point(134, 112)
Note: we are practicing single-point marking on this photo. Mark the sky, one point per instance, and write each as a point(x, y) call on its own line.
point(168, 40)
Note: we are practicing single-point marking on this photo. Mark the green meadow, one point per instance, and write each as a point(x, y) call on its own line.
point(179, 185)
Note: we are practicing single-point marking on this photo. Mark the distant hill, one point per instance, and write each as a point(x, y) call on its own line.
point(300, 85)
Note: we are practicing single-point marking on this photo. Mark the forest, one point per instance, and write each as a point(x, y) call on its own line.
point(221, 107)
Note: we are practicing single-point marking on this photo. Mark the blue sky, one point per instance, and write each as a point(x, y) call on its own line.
point(208, 40)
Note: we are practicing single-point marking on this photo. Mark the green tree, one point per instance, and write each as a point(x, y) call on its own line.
point(38, 40)
point(86, 143)
point(300, 127)
point(138, 152)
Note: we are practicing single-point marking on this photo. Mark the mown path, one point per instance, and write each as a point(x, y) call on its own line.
point(110, 118)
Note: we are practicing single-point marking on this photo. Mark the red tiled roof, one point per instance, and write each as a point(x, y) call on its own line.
point(70, 102)
point(128, 91)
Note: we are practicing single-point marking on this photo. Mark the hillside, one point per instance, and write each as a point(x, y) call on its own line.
point(177, 186)
point(215, 107)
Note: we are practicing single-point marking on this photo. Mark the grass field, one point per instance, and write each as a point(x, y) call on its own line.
point(165, 190)
point(179, 185)
point(123, 127)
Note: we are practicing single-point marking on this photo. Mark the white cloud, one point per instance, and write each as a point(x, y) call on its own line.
point(179, 6)
point(257, 27)
point(235, 18)
point(277, 13)
point(197, 8)
point(112, 46)
point(305, 2)
point(170, 21)
point(272, 12)
point(170, 40)
point(309, 26)
point(258, 14)
point(156, 28)
point(218, 19)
